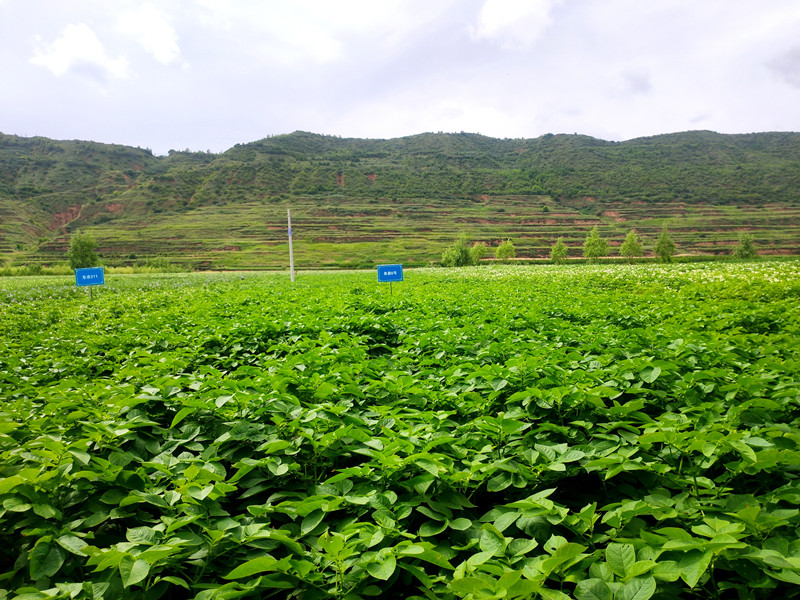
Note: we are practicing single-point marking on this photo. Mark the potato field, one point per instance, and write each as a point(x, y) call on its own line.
point(588, 432)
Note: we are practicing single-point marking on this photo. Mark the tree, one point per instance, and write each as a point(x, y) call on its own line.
point(477, 252)
point(594, 247)
point(631, 247)
point(665, 247)
point(505, 251)
point(82, 248)
point(458, 254)
point(745, 250)
point(559, 252)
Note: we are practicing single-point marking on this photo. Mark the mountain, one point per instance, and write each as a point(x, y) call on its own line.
point(358, 202)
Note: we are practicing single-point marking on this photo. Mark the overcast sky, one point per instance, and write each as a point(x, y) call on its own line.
point(207, 74)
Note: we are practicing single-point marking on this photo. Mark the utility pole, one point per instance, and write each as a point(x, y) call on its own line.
point(291, 251)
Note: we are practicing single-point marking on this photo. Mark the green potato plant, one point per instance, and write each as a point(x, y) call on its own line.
point(615, 432)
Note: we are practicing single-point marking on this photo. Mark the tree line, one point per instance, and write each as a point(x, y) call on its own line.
point(82, 249)
point(461, 253)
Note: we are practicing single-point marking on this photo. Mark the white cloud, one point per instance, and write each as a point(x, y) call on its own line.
point(287, 34)
point(615, 69)
point(637, 81)
point(154, 32)
point(215, 13)
point(317, 31)
point(514, 23)
point(787, 66)
point(292, 41)
point(79, 50)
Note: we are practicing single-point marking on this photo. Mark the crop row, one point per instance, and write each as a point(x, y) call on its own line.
point(620, 432)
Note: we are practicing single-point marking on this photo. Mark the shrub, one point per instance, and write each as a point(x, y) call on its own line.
point(559, 252)
point(745, 250)
point(159, 263)
point(457, 255)
point(665, 247)
point(477, 252)
point(82, 252)
point(594, 247)
point(505, 251)
point(631, 248)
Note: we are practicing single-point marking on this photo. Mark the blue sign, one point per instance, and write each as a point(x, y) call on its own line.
point(389, 273)
point(90, 276)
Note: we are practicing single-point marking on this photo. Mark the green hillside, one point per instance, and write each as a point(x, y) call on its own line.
point(357, 202)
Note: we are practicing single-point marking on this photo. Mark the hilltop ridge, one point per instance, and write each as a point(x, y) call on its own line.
point(364, 200)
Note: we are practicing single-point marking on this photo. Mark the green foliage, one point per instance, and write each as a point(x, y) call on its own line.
point(477, 252)
point(745, 250)
point(458, 254)
point(82, 250)
point(665, 247)
point(505, 251)
point(358, 198)
point(35, 269)
point(156, 264)
point(504, 432)
point(558, 254)
point(631, 247)
point(594, 246)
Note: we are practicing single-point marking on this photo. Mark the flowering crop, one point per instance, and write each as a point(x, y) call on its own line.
point(592, 432)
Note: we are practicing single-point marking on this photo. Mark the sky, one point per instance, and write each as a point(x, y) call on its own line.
point(204, 75)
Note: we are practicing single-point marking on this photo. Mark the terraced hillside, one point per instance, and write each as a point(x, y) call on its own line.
point(358, 202)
